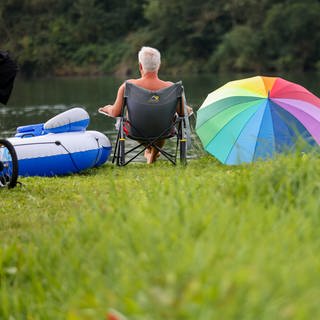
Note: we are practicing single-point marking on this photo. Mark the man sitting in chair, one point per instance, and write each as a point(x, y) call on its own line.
point(149, 64)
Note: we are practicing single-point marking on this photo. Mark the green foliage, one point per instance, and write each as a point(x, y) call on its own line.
point(113, 55)
point(156, 242)
point(239, 51)
point(292, 35)
point(194, 36)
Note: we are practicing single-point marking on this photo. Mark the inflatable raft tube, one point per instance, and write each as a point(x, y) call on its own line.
point(42, 152)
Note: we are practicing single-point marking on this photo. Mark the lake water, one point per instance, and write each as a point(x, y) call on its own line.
point(37, 100)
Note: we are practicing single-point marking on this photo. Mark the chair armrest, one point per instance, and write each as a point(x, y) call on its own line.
point(107, 114)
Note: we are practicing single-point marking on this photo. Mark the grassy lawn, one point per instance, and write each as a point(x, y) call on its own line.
point(161, 242)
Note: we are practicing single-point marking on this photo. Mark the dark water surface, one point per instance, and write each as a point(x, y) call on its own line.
point(37, 100)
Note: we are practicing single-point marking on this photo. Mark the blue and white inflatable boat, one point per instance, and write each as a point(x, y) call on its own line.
point(60, 146)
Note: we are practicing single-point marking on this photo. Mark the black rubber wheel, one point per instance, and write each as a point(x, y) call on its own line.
point(8, 165)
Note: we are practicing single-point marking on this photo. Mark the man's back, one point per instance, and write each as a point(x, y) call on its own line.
point(151, 82)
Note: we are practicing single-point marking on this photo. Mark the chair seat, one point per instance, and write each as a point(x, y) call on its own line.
point(171, 132)
point(144, 139)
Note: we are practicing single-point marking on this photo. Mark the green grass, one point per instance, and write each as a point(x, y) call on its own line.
point(163, 242)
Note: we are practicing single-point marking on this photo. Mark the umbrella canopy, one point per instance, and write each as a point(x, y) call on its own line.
point(8, 71)
point(257, 117)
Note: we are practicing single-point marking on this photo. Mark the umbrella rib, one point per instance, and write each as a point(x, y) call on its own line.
point(255, 147)
point(284, 106)
point(258, 98)
point(240, 132)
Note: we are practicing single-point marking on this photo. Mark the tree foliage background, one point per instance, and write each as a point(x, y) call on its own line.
point(65, 37)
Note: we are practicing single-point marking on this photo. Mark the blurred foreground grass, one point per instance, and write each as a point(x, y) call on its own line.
point(162, 242)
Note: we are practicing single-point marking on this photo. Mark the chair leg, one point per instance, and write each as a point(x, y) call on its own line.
point(183, 151)
point(121, 152)
point(182, 144)
point(169, 156)
point(115, 153)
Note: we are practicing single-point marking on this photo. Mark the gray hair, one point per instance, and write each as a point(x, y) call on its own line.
point(149, 58)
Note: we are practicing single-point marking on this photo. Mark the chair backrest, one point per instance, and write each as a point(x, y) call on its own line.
point(151, 113)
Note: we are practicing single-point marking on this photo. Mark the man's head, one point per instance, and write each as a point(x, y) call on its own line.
point(150, 59)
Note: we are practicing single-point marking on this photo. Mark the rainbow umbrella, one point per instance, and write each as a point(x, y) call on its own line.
point(255, 118)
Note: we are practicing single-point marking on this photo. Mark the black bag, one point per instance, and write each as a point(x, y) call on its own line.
point(8, 71)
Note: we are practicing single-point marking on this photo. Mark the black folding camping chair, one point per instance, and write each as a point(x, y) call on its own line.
point(148, 117)
point(8, 156)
